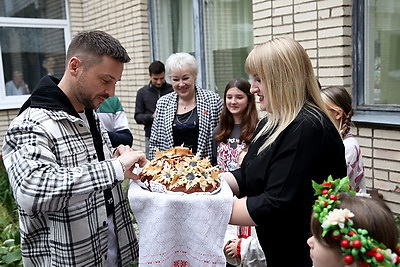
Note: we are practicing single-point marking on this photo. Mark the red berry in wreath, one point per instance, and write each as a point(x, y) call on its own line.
point(397, 259)
point(327, 184)
point(371, 252)
point(348, 259)
point(398, 250)
point(364, 264)
point(324, 191)
point(345, 243)
point(333, 197)
point(351, 233)
point(357, 244)
point(379, 256)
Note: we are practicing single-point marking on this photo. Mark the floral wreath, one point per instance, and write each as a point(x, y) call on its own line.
point(355, 244)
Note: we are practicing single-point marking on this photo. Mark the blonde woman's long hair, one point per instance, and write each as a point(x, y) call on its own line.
point(286, 72)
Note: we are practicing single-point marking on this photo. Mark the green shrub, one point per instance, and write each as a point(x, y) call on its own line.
point(10, 249)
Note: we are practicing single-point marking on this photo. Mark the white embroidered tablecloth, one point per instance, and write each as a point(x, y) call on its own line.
point(181, 229)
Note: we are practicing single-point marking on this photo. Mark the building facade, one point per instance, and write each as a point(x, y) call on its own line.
point(351, 43)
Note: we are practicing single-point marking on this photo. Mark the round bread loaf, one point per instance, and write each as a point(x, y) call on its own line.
point(181, 171)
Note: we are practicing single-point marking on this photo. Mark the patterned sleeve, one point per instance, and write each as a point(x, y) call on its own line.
point(48, 170)
point(161, 130)
point(154, 133)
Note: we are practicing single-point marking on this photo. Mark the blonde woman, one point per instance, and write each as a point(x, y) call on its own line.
point(298, 143)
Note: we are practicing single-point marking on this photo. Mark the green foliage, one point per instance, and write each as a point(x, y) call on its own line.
point(6, 194)
point(10, 250)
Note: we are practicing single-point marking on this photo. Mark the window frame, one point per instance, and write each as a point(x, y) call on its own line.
point(15, 102)
point(369, 114)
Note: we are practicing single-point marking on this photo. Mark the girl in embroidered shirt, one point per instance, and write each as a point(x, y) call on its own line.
point(237, 124)
point(338, 102)
point(239, 118)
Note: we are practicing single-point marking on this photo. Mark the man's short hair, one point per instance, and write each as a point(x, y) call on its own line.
point(97, 43)
point(156, 67)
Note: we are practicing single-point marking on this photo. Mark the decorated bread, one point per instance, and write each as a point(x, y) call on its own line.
point(181, 171)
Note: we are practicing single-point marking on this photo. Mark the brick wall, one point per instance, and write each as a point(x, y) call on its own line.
point(381, 154)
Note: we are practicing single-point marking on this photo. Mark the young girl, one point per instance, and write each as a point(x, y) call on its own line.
point(338, 102)
point(235, 131)
point(236, 127)
point(351, 230)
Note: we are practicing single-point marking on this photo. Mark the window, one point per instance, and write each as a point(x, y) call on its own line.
point(376, 38)
point(33, 37)
point(218, 33)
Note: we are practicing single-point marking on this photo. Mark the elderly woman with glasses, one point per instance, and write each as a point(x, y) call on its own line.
point(189, 114)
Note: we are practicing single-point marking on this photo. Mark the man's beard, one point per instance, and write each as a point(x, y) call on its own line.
point(86, 100)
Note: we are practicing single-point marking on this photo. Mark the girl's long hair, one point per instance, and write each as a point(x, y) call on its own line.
point(249, 117)
point(338, 96)
point(286, 72)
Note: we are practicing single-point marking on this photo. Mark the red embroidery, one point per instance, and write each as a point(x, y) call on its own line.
point(180, 263)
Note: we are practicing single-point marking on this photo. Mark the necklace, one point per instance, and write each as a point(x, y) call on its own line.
point(187, 119)
point(188, 104)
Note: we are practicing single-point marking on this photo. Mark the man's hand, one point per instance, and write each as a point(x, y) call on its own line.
point(131, 159)
point(121, 149)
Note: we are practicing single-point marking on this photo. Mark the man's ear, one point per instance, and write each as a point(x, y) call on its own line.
point(73, 65)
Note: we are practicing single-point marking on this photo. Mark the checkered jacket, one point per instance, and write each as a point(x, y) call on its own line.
point(209, 106)
point(58, 184)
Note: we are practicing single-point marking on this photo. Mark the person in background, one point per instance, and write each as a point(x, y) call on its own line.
point(49, 64)
point(188, 115)
point(353, 230)
point(17, 85)
point(65, 179)
point(147, 97)
point(339, 104)
point(236, 126)
point(298, 143)
point(113, 117)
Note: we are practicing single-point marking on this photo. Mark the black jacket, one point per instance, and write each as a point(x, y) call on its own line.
point(277, 183)
point(146, 100)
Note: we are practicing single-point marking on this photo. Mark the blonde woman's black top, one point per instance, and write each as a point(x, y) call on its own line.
point(277, 183)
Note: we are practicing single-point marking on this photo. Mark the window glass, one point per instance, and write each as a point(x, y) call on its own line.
point(173, 27)
point(33, 39)
point(382, 48)
point(226, 33)
point(28, 54)
point(46, 9)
